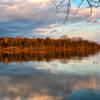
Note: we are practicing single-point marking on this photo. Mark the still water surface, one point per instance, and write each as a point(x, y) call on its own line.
point(74, 79)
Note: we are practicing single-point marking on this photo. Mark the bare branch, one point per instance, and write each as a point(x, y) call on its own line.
point(91, 4)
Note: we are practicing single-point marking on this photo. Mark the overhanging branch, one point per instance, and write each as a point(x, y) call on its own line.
point(91, 4)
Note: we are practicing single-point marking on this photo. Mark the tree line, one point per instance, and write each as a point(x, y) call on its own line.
point(47, 44)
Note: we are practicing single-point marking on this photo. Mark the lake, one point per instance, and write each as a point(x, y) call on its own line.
point(75, 78)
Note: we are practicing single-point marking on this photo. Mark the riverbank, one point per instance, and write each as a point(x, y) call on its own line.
point(19, 45)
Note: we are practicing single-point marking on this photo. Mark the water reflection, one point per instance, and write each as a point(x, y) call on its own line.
point(54, 80)
point(85, 95)
point(63, 56)
point(47, 88)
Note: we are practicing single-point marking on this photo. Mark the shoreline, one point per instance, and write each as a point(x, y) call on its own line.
point(18, 45)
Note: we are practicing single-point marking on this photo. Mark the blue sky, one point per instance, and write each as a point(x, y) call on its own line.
point(38, 18)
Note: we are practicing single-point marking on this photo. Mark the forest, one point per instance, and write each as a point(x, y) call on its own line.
point(17, 45)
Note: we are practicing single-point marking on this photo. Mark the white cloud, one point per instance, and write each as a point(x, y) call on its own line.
point(41, 11)
point(39, 1)
point(40, 17)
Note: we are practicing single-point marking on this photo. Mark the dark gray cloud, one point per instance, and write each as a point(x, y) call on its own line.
point(23, 17)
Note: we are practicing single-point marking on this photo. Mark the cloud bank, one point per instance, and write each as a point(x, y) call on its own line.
point(35, 17)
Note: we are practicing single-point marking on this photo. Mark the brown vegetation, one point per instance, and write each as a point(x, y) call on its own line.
point(24, 49)
point(18, 45)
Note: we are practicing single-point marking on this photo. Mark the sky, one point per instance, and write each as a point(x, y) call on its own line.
point(39, 18)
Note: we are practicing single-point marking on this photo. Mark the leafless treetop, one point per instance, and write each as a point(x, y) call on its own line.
point(91, 4)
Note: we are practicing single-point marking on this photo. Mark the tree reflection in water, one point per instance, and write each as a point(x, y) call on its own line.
point(64, 56)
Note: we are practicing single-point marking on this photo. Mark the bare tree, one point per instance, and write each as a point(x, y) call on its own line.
point(91, 4)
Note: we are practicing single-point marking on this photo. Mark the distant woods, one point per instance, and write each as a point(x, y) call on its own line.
point(64, 49)
point(16, 45)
